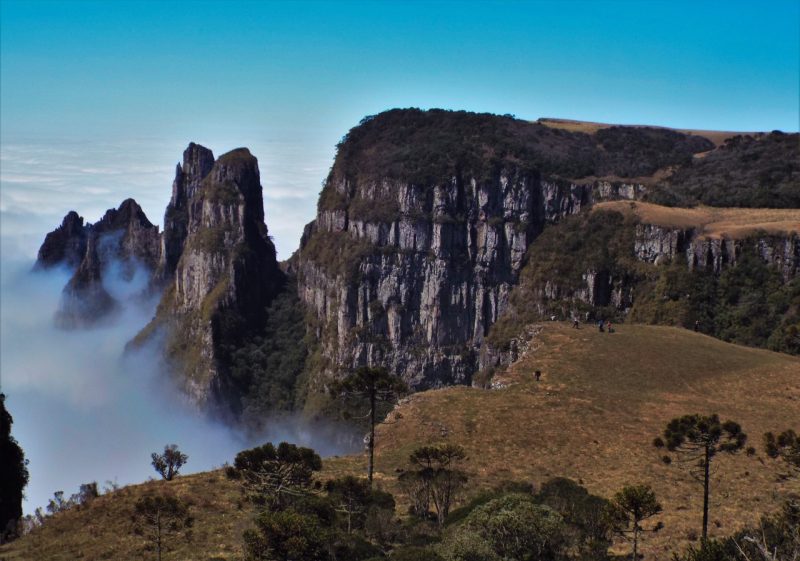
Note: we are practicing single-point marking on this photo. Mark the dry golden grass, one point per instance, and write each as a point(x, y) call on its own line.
point(102, 529)
point(590, 127)
point(601, 401)
point(712, 222)
point(593, 416)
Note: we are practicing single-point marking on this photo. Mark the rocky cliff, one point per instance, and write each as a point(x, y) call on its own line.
point(66, 245)
point(121, 242)
point(424, 224)
point(412, 276)
point(655, 244)
point(221, 272)
point(439, 237)
point(611, 264)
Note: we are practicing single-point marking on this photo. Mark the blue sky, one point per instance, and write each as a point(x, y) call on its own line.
point(124, 86)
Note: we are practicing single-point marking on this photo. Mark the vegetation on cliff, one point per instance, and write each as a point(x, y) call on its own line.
point(426, 147)
point(749, 302)
point(761, 170)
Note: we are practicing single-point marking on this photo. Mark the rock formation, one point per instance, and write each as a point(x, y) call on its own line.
point(66, 245)
point(656, 243)
point(123, 240)
point(425, 237)
point(412, 276)
point(225, 271)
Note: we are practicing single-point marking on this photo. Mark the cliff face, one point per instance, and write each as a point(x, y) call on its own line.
point(412, 276)
point(225, 275)
point(424, 224)
point(610, 265)
point(654, 244)
point(119, 243)
point(439, 238)
point(66, 245)
point(197, 163)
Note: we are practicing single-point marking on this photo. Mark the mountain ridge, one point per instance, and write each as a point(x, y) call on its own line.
point(423, 228)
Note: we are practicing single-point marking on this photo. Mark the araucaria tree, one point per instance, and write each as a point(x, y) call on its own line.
point(374, 385)
point(274, 473)
point(698, 439)
point(158, 519)
point(170, 462)
point(786, 446)
point(632, 505)
point(437, 477)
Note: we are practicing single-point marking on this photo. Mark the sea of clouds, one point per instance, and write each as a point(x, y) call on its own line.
point(83, 409)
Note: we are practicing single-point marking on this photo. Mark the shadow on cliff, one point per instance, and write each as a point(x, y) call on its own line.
point(84, 412)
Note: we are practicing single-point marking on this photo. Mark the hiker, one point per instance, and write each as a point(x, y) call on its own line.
point(610, 329)
point(696, 325)
point(600, 325)
point(575, 323)
point(537, 375)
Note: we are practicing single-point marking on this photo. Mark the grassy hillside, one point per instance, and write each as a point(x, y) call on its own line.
point(591, 127)
point(712, 222)
point(601, 401)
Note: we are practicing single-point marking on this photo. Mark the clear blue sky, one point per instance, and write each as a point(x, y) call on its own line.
point(289, 79)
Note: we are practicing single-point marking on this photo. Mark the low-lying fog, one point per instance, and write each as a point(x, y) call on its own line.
point(84, 413)
point(80, 412)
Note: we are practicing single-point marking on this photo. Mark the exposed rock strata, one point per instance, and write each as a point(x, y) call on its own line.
point(656, 243)
point(66, 245)
point(117, 245)
point(428, 268)
point(225, 276)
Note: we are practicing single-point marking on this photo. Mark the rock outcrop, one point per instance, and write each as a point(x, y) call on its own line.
point(66, 245)
point(225, 275)
point(412, 276)
point(116, 246)
point(656, 243)
point(197, 163)
point(424, 244)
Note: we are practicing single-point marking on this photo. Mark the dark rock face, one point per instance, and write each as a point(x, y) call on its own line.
point(412, 276)
point(655, 243)
point(225, 276)
point(124, 239)
point(65, 245)
point(197, 163)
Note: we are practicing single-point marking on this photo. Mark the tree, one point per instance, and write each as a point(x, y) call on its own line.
point(785, 446)
point(13, 476)
point(272, 472)
point(158, 518)
point(636, 503)
point(437, 476)
point(509, 527)
point(353, 497)
point(592, 521)
point(698, 439)
point(170, 462)
point(286, 535)
point(374, 385)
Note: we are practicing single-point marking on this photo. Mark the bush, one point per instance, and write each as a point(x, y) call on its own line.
point(514, 527)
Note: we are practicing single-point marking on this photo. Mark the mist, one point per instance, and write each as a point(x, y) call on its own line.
point(85, 411)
